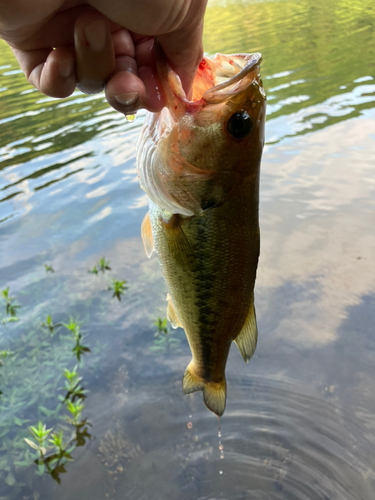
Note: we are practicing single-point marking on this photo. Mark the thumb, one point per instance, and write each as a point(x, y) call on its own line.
point(183, 47)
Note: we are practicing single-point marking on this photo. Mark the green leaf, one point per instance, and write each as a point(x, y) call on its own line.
point(41, 468)
point(10, 479)
point(46, 411)
point(32, 444)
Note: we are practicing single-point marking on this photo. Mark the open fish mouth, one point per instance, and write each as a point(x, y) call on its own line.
point(228, 75)
point(217, 79)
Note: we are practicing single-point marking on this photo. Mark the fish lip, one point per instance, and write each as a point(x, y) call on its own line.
point(252, 62)
point(177, 101)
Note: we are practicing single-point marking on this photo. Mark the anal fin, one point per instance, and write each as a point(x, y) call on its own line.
point(148, 241)
point(214, 393)
point(246, 340)
point(172, 315)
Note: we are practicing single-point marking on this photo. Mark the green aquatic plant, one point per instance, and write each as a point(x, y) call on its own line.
point(78, 349)
point(47, 460)
point(75, 408)
point(104, 265)
point(164, 340)
point(30, 378)
point(49, 324)
point(118, 287)
point(9, 319)
point(4, 355)
point(73, 326)
point(6, 296)
point(72, 385)
point(40, 435)
point(11, 309)
point(49, 269)
point(162, 326)
point(101, 266)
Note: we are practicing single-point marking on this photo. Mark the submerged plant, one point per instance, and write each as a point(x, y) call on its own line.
point(48, 460)
point(11, 309)
point(72, 385)
point(75, 409)
point(78, 349)
point(49, 324)
point(164, 340)
point(94, 270)
point(101, 266)
point(118, 287)
point(162, 326)
point(40, 434)
point(9, 319)
point(4, 355)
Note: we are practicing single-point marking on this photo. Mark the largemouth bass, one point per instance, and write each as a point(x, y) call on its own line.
point(199, 161)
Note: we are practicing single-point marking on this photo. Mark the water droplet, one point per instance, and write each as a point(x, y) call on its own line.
point(219, 434)
point(190, 416)
point(221, 447)
point(221, 455)
point(189, 425)
point(131, 118)
point(220, 472)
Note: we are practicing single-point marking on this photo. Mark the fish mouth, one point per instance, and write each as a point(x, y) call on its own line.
point(231, 75)
point(217, 79)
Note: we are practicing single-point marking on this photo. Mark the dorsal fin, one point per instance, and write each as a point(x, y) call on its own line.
point(246, 340)
point(146, 232)
point(172, 315)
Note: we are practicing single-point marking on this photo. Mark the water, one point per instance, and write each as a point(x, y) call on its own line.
point(299, 423)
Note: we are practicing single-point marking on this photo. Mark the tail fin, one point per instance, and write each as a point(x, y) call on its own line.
point(214, 393)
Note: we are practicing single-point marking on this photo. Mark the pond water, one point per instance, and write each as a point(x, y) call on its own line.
point(300, 417)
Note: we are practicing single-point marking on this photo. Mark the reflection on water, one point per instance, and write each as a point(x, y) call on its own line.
point(300, 419)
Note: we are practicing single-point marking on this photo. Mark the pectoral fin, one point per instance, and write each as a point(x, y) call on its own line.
point(179, 246)
point(148, 241)
point(246, 340)
point(214, 393)
point(172, 315)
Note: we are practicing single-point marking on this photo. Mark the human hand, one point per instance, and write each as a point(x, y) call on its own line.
point(61, 44)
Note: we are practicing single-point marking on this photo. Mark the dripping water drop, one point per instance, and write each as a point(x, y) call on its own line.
point(131, 118)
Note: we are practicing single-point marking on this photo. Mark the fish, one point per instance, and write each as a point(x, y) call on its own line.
point(199, 160)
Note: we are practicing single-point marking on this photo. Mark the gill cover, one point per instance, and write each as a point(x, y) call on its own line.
point(165, 172)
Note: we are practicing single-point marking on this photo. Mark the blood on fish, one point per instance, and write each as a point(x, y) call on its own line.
point(202, 65)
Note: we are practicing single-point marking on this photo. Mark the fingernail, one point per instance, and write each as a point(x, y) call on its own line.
point(66, 67)
point(127, 99)
point(96, 34)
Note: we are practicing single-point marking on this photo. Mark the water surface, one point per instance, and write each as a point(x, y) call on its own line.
point(300, 418)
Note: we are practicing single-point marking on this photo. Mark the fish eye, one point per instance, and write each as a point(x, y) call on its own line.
point(239, 125)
